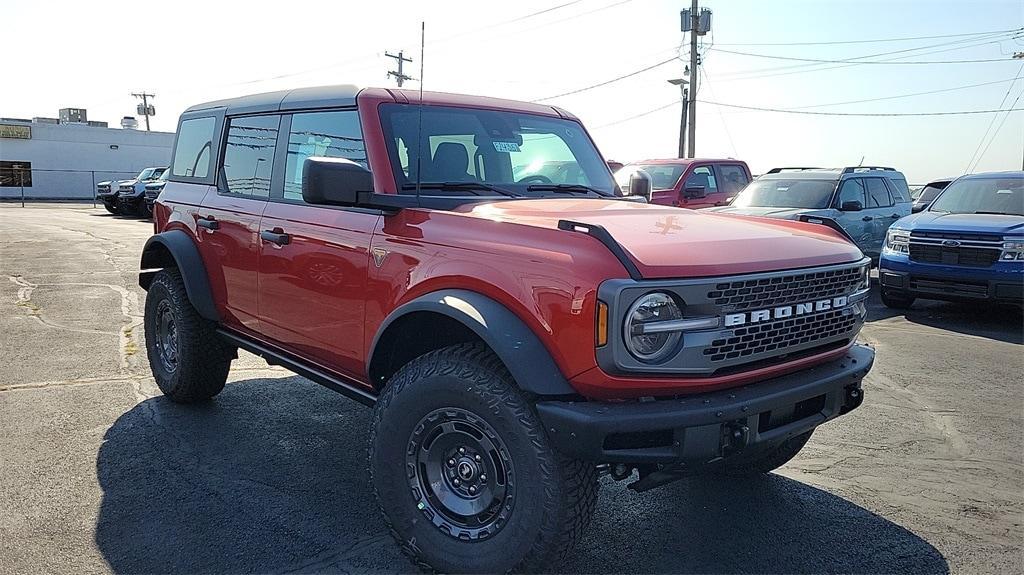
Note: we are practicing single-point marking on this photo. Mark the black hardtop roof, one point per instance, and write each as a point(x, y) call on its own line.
point(295, 99)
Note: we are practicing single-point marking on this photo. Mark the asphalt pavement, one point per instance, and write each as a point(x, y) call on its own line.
point(99, 473)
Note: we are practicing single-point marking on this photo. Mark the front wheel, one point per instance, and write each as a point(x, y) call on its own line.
point(111, 207)
point(464, 473)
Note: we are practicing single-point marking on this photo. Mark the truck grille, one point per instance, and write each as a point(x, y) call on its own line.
point(784, 289)
point(781, 334)
point(953, 249)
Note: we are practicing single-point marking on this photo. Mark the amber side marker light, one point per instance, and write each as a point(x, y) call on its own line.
point(601, 329)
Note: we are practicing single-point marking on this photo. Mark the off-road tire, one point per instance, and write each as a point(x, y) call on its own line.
point(770, 461)
point(893, 300)
point(203, 358)
point(555, 496)
point(112, 208)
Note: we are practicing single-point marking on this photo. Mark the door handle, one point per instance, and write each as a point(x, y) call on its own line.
point(276, 236)
point(208, 223)
point(867, 218)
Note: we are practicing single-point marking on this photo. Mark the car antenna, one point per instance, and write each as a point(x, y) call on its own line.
point(419, 128)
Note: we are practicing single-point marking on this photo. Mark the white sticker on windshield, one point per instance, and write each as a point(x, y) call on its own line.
point(1004, 191)
point(506, 146)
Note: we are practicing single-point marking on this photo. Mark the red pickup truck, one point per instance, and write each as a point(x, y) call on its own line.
point(691, 183)
point(515, 336)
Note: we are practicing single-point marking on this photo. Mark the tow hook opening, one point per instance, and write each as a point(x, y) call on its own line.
point(735, 437)
point(854, 396)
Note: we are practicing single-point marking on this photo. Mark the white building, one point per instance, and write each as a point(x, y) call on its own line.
point(66, 160)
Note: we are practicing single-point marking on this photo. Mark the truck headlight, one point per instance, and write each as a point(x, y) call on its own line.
point(897, 241)
point(1013, 249)
point(652, 329)
point(865, 277)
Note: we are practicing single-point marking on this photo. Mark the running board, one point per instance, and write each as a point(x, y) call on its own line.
point(348, 388)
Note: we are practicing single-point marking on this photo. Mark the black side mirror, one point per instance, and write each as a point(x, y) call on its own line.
point(640, 185)
point(853, 206)
point(694, 192)
point(917, 208)
point(334, 181)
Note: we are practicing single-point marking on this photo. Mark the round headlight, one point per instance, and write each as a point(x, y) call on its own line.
point(652, 346)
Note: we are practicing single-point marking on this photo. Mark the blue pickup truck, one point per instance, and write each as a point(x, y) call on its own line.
point(967, 245)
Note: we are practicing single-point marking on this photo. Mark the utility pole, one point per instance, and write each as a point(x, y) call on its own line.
point(144, 109)
point(399, 76)
point(694, 27)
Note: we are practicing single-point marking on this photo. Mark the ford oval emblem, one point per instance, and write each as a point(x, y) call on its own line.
point(950, 243)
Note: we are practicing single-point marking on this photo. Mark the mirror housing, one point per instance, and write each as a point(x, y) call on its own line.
point(915, 208)
point(853, 206)
point(694, 192)
point(335, 182)
point(640, 185)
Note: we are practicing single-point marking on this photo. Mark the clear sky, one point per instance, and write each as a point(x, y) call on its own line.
point(95, 54)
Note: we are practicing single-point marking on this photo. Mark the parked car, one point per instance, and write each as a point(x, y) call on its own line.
point(691, 183)
point(153, 190)
point(862, 201)
point(924, 196)
point(131, 199)
point(511, 333)
point(968, 245)
point(106, 192)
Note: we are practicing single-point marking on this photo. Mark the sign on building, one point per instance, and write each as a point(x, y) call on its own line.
point(15, 131)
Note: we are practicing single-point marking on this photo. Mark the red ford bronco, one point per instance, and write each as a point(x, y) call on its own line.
point(516, 337)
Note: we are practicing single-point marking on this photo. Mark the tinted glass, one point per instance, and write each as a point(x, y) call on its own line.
point(192, 151)
point(929, 192)
point(509, 150)
point(989, 195)
point(331, 134)
point(851, 191)
point(249, 155)
point(734, 178)
point(901, 191)
point(663, 176)
point(702, 177)
point(783, 193)
point(878, 195)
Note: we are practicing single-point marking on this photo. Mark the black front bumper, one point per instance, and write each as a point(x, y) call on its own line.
point(704, 428)
point(969, 287)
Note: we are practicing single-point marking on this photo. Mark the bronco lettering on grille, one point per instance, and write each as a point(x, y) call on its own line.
point(756, 316)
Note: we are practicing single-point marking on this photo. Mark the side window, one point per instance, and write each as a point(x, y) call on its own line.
point(878, 194)
point(192, 151)
point(851, 191)
point(334, 134)
point(901, 191)
point(734, 178)
point(703, 177)
point(249, 155)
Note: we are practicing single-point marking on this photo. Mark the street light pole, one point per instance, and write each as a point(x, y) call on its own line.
point(684, 92)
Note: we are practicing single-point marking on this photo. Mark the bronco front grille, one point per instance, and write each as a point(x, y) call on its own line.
point(781, 335)
point(784, 289)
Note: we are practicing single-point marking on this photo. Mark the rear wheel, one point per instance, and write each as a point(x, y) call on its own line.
point(896, 300)
point(190, 362)
point(463, 471)
point(773, 459)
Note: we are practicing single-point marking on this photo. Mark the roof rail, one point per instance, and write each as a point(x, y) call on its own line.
point(791, 169)
point(852, 169)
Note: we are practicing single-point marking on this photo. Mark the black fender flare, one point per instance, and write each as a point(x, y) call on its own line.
point(518, 347)
point(189, 263)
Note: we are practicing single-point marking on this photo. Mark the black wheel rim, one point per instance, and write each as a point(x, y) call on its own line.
point(461, 474)
point(166, 337)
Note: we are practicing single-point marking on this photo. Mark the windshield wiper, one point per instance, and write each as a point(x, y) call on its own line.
point(564, 189)
point(993, 213)
point(472, 187)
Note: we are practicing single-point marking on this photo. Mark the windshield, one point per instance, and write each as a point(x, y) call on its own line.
point(982, 196)
point(514, 152)
point(783, 193)
point(145, 174)
point(663, 176)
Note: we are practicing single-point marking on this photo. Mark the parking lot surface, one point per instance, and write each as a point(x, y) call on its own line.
point(99, 473)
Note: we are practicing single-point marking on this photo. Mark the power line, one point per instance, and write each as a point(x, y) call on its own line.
point(971, 163)
point(896, 97)
point(863, 114)
point(996, 133)
point(640, 115)
point(606, 82)
point(878, 40)
point(856, 61)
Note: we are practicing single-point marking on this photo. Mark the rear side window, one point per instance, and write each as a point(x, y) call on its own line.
point(734, 178)
point(332, 134)
point(192, 150)
point(249, 155)
point(878, 194)
point(901, 191)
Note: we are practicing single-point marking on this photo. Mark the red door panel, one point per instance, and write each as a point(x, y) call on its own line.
point(312, 290)
point(230, 251)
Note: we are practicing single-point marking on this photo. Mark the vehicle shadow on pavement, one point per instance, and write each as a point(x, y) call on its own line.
point(996, 322)
point(271, 477)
